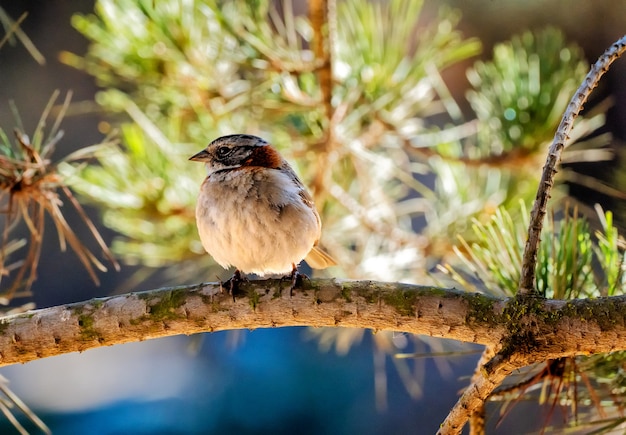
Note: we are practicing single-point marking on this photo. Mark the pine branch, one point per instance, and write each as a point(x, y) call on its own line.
point(478, 421)
point(538, 212)
point(547, 329)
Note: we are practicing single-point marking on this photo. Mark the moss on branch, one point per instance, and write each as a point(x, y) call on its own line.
point(517, 325)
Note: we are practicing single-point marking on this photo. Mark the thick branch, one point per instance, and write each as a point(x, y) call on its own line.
point(527, 280)
point(546, 329)
point(204, 308)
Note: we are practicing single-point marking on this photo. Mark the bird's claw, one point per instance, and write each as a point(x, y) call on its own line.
point(232, 284)
point(295, 279)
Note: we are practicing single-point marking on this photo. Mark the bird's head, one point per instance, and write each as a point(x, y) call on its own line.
point(238, 151)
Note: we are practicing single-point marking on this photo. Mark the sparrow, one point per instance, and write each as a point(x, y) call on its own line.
point(253, 212)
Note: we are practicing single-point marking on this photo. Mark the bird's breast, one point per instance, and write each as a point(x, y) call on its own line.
point(255, 217)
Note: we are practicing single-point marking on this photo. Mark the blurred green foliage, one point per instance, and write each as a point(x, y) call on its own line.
point(569, 264)
point(141, 180)
point(200, 69)
point(182, 73)
point(520, 95)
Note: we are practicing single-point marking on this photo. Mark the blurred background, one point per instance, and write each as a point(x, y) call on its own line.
point(416, 148)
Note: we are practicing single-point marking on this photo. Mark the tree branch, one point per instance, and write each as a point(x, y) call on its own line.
point(204, 308)
point(476, 394)
point(478, 421)
point(538, 212)
point(319, 11)
point(546, 329)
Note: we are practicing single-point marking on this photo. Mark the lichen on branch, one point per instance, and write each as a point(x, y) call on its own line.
point(557, 328)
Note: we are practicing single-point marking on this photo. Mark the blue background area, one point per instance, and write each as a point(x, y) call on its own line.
point(274, 382)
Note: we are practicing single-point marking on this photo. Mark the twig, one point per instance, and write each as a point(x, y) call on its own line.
point(478, 418)
point(15, 29)
point(473, 399)
point(322, 15)
point(477, 421)
point(319, 16)
point(527, 279)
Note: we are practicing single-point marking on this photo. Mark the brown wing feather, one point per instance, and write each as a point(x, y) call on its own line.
point(317, 258)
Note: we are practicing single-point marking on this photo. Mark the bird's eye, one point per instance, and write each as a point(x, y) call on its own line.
point(223, 152)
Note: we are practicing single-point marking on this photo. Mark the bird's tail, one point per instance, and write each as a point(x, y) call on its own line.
point(319, 259)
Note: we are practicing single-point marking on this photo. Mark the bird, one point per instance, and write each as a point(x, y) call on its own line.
point(254, 213)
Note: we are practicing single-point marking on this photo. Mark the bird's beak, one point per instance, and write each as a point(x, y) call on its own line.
point(202, 156)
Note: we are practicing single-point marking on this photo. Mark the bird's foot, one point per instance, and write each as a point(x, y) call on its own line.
point(295, 279)
point(232, 284)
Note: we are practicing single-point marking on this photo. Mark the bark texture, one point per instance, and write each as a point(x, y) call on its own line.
point(534, 331)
